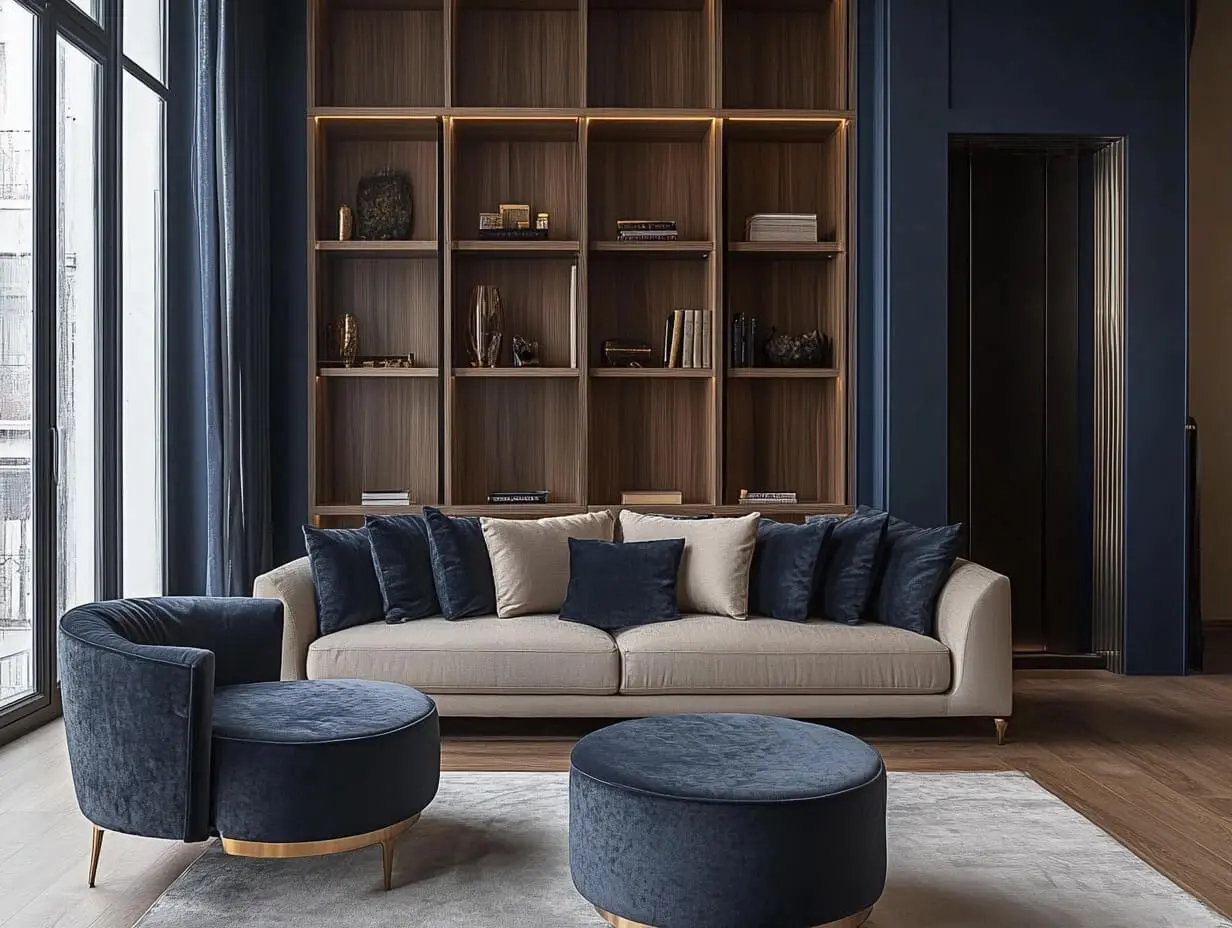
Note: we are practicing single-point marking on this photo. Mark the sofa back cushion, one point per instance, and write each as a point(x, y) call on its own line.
point(460, 565)
point(343, 577)
point(718, 553)
point(915, 565)
point(403, 561)
point(783, 574)
point(845, 593)
point(530, 558)
point(622, 585)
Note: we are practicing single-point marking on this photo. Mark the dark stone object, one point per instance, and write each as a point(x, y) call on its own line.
point(727, 821)
point(812, 349)
point(525, 353)
point(181, 698)
point(383, 207)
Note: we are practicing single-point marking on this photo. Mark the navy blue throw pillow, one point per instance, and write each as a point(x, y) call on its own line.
point(917, 562)
point(850, 566)
point(342, 573)
point(618, 585)
point(403, 561)
point(784, 568)
point(461, 567)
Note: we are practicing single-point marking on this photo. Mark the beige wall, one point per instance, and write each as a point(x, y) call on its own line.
point(1210, 293)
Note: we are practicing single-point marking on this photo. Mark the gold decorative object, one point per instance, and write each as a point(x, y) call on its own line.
point(513, 215)
point(346, 335)
point(851, 921)
point(386, 837)
point(1001, 725)
point(346, 223)
point(542, 222)
point(485, 327)
point(398, 361)
point(489, 221)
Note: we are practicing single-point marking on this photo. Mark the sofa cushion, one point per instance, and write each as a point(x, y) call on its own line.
point(530, 558)
point(710, 654)
point(917, 563)
point(851, 556)
point(621, 584)
point(343, 577)
point(784, 568)
point(714, 571)
point(403, 562)
point(525, 654)
point(460, 565)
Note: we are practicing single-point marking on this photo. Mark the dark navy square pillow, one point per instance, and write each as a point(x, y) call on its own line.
point(342, 574)
point(461, 567)
point(917, 562)
point(403, 560)
point(784, 569)
point(849, 575)
point(618, 585)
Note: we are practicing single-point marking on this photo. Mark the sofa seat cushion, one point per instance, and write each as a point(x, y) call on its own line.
point(713, 654)
point(485, 654)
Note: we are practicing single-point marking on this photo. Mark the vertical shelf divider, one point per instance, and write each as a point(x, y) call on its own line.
point(581, 333)
point(448, 384)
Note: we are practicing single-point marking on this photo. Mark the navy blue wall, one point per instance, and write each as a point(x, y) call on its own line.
point(1098, 67)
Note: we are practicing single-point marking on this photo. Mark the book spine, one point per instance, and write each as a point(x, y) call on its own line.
point(698, 329)
point(707, 347)
point(677, 325)
point(645, 225)
point(667, 341)
point(686, 348)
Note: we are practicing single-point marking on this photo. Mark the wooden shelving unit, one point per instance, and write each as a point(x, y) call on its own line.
point(701, 111)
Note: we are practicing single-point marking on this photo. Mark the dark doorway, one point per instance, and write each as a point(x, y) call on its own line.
point(1021, 457)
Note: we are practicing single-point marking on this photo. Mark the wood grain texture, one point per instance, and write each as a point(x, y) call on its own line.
point(534, 299)
point(789, 296)
point(787, 177)
point(379, 434)
point(647, 56)
point(631, 300)
point(357, 149)
point(517, 54)
point(781, 437)
point(508, 435)
point(650, 434)
point(1144, 758)
point(784, 55)
point(396, 302)
point(383, 57)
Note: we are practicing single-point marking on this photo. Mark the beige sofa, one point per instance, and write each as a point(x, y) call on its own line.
point(539, 666)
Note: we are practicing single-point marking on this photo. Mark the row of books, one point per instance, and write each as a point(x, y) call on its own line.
point(627, 498)
point(781, 227)
point(646, 230)
point(385, 497)
point(651, 498)
point(686, 339)
point(767, 498)
point(517, 497)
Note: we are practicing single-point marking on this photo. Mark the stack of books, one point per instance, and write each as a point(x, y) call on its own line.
point(781, 227)
point(385, 498)
point(518, 497)
point(646, 230)
point(652, 498)
point(686, 339)
point(767, 498)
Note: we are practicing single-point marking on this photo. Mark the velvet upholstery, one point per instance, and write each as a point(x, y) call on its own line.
point(916, 564)
point(851, 556)
point(403, 561)
point(460, 565)
point(137, 680)
point(344, 577)
point(784, 569)
point(727, 821)
point(622, 584)
point(310, 760)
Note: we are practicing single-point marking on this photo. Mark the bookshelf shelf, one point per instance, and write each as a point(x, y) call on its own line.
point(696, 111)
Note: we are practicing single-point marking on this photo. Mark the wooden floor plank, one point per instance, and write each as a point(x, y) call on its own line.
point(1147, 759)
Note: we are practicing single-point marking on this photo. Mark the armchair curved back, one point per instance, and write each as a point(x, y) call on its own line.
point(137, 681)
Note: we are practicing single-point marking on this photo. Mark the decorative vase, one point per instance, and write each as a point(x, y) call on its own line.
point(346, 332)
point(383, 207)
point(485, 327)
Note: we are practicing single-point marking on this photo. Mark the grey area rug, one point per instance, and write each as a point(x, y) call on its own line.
point(982, 850)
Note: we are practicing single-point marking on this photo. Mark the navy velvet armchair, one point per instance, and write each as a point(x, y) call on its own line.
point(137, 679)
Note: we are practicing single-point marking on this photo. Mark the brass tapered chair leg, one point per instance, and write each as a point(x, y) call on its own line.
point(1002, 725)
point(387, 862)
point(96, 845)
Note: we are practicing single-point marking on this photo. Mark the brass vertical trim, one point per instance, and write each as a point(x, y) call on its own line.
point(1108, 556)
point(96, 847)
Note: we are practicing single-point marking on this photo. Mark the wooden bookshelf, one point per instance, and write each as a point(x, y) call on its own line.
point(699, 111)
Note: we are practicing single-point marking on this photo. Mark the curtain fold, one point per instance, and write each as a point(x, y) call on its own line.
point(231, 230)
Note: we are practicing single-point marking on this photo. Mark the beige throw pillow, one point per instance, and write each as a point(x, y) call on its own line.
point(530, 558)
point(714, 570)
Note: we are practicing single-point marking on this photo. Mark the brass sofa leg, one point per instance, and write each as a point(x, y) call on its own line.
point(96, 845)
point(1002, 725)
point(387, 862)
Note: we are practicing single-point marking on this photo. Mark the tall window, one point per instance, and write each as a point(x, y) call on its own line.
point(81, 315)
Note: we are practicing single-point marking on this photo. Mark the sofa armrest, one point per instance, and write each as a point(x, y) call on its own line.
point(973, 621)
point(292, 584)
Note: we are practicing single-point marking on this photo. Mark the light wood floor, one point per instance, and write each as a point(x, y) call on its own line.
point(1149, 759)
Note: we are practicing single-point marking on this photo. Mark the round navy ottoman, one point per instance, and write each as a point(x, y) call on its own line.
point(727, 821)
point(311, 767)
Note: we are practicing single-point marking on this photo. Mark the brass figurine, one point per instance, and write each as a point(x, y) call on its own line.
point(346, 223)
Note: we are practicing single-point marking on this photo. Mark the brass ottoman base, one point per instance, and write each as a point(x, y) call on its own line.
point(851, 921)
point(386, 837)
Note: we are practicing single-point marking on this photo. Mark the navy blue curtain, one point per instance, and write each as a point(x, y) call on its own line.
point(226, 295)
